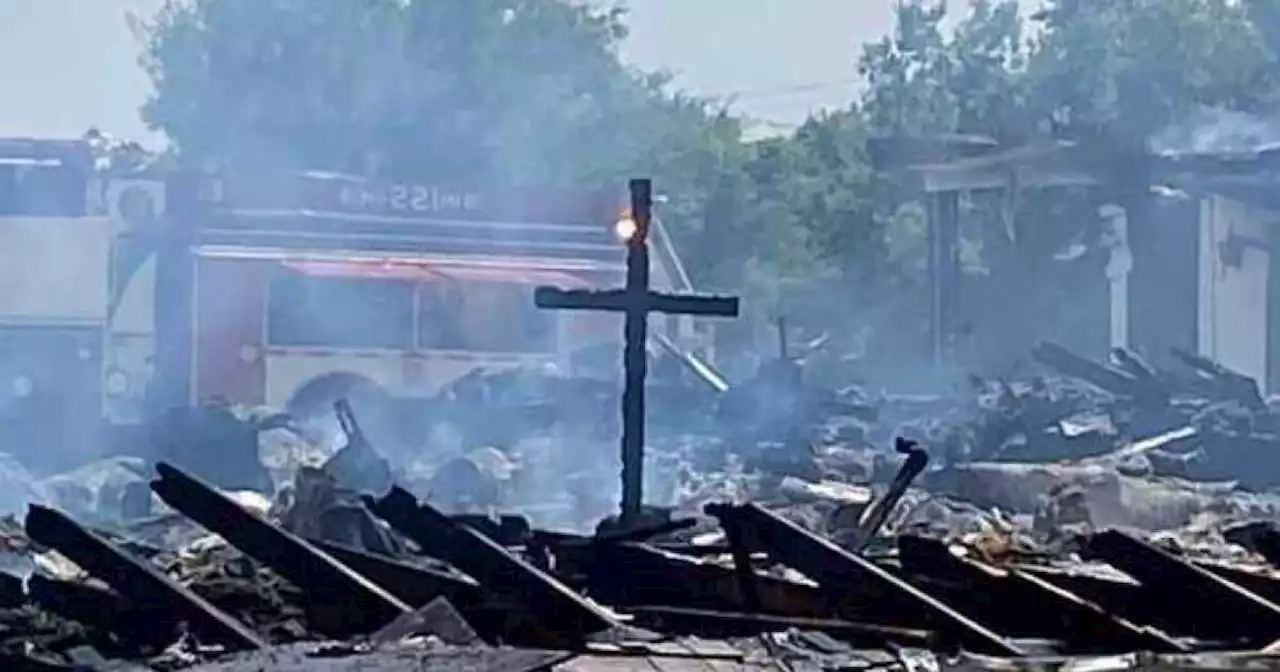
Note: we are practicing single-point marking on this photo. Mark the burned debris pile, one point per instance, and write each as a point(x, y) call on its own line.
point(1105, 510)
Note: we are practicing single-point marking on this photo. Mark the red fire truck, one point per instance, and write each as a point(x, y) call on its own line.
point(302, 288)
point(55, 241)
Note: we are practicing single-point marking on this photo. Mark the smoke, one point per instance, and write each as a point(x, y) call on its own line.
point(1217, 131)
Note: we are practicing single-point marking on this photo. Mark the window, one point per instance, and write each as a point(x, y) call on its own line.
point(307, 311)
point(41, 191)
point(485, 317)
point(440, 316)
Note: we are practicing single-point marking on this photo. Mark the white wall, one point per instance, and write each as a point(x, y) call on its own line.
point(1233, 300)
point(54, 269)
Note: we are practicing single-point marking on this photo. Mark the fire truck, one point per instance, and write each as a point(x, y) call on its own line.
point(55, 251)
point(127, 292)
point(291, 291)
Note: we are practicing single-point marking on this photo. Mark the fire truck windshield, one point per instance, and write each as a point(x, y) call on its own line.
point(357, 313)
point(39, 189)
point(381, 314)
point(484, 317)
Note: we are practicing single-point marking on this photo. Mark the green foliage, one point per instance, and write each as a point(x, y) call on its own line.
point(1133, 67)
point(452, 89)
point(532, 91)
point(467, 91)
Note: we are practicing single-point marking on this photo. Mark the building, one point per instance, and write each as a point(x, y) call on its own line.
point(1190, 239)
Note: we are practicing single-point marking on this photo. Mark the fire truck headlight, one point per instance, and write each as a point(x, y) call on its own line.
point(625, 229)
point(117, 383)
point(23, 386)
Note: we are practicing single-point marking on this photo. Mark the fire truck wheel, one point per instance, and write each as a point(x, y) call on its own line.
point(314, 399)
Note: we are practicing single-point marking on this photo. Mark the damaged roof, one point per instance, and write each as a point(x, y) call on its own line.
point(1247, 171)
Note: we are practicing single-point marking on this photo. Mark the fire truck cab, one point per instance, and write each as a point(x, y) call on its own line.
point(284, 290)
point(55, 244)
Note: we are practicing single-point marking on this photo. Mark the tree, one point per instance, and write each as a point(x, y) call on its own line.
point(446, 89)
point(1132, 68)
point(1111, 73)
point(473, 91)
point(532, 91)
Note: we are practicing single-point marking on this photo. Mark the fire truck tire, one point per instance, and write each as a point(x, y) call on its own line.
point(315, 398)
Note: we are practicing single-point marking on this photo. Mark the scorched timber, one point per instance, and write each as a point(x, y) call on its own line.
point(135, 578)
point(556, 607)
point(834, 568)
point(348, 603)
point(1010, 599)
point(1207, 605)
point(414, 585)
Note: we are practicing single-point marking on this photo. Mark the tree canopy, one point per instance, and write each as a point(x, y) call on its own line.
point(533, 91)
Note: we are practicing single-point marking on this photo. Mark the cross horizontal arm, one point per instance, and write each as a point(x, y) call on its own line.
point(580, 299)
point(620, 300)
point(693, 304)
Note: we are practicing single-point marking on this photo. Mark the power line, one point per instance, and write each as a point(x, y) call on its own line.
point(778, 91)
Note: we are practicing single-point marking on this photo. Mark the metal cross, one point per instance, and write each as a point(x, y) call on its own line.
point(635, 300)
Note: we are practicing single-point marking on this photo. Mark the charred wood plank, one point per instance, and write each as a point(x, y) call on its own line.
point(835, 568)
point(743, 571)
point(1103, 377)
point(418, 586)
point(131, 626)
point(1033, 602)
point(136, 579)
point(1260, 536)
point(1211, 606)
point(1264, 584)
point(873, 517)
point(557, 608)
point(1134, 365)
point(725, 624)
point(12, 593)
point(341, 601)
point(1224, 382)
point(634, 573)
point(414, 584)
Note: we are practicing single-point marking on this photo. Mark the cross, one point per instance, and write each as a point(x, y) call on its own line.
point(783, 349)
point(635, 301)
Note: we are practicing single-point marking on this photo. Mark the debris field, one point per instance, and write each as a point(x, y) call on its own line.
point(1102, 515)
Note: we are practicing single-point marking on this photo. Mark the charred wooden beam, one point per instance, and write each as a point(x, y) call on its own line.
point(1101, 376)
point(136, 579)
point(1225, 382)
point(1130, 363)
point(1211, 606)
point(418, 586)
point(640, 533)
point(836, 568)
point(559, 610)
point(1264, 584)
point(414, 584)
point(723, 624)
point(873, 517)
point(1031, 602)
point(633, 573)
point(342, 602)
point(131, 625)
point(12, 593)
point(1260, 536)
point(744, 572)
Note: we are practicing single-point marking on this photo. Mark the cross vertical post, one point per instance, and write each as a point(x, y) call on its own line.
point(635, 300)
point(784, 349)
point(635, 337)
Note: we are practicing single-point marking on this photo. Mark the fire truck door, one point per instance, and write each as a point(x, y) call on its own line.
point(50, 394)
point(228, 331)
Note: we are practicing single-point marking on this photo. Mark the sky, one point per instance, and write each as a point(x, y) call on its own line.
point(67, 65)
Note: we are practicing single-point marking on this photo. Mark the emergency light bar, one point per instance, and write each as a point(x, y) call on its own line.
point(328, 211)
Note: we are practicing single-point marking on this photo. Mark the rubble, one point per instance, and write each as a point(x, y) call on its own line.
point(1099, 510)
